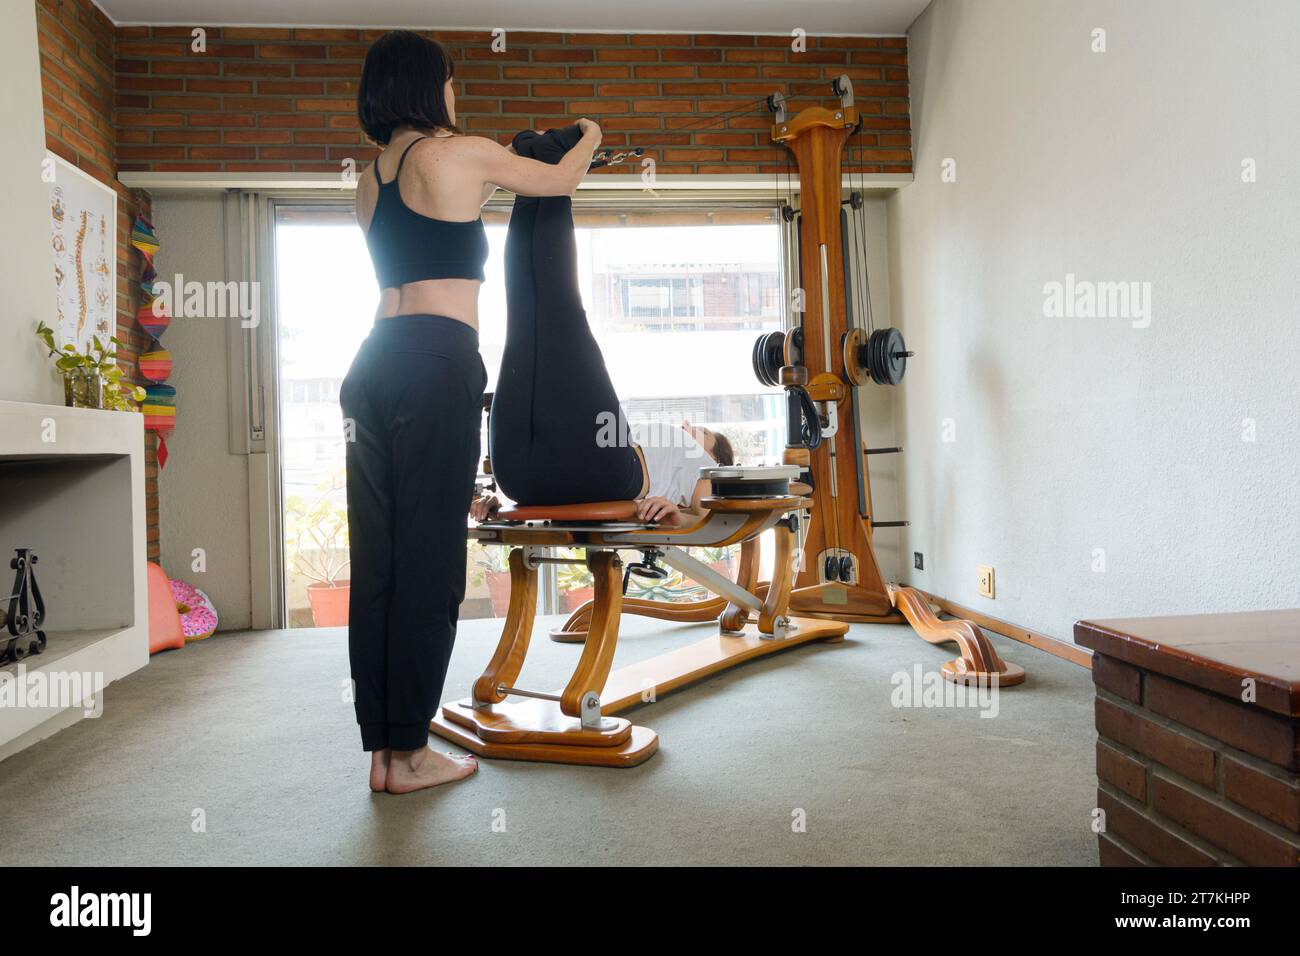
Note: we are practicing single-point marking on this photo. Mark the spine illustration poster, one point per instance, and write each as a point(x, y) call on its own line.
point(83, 236)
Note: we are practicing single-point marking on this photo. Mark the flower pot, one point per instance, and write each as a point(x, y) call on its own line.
point(577, 597)
point(329, 603)
point(82, 388)
point(498, 583)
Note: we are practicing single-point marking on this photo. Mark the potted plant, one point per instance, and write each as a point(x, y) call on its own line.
point(719, 559)
point(316, 534)
point(91, 379)
point(575, 582)
point(491, 565)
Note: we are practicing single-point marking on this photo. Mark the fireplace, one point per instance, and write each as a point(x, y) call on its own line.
point(72, 492)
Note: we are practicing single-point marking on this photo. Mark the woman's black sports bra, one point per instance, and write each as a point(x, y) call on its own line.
point(408, 247)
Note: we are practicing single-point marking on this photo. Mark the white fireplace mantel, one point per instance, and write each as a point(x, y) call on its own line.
point(72, 490)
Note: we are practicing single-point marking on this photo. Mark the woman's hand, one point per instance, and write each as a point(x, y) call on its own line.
point(657, 508)
point(483, 506)
point(590, 128)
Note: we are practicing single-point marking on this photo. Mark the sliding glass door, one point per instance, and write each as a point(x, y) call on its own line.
point(675, 296)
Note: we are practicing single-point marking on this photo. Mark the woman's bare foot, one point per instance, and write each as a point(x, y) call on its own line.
point(417, 769)
point(379, 769)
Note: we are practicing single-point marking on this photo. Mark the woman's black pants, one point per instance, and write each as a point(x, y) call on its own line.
point(412, 405)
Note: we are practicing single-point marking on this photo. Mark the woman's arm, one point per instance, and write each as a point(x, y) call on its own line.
point(490, 188)
point(529, 177)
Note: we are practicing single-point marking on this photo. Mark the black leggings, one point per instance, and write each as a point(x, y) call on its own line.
point(412, 405)
point(556, 432)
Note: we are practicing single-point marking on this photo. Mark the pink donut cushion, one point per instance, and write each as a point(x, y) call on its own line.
point(198, 616)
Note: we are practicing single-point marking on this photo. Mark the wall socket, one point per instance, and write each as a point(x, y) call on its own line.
point(987, 586)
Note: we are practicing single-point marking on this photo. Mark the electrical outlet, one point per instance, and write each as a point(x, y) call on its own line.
point(987, 588)
point(918, 560)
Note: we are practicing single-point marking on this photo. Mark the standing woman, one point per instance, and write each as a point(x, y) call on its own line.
point(412, 399)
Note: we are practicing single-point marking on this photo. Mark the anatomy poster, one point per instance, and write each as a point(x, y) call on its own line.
point(83, 234)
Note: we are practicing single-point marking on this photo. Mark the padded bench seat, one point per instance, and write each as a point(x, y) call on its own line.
point(582, 511)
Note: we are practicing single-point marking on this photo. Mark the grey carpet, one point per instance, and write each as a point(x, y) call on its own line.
point(251, 729)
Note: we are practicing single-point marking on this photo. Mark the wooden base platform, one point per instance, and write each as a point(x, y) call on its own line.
point(537, 730)
point(453, 723)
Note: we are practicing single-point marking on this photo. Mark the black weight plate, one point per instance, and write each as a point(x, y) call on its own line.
point(846, 568)
point(874, 367)
point(832, 567)
point(895, 357)
point(756, 358)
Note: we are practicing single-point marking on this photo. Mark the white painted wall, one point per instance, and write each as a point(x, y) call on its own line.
point(1082, 434)
point(204, 488)
point(26, 268)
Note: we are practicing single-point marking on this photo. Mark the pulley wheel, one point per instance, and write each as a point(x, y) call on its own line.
point(852, 351)
point(885, 356)
point(768, 357)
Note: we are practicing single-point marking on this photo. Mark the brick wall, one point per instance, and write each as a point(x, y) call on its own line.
point(77, 53)
point(1187, 777)
point(284, 99)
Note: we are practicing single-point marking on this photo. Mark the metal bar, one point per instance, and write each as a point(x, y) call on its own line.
point(826, 309)
point(520, 692)
point(897, 449)
point(890, 524)
point(715, 582)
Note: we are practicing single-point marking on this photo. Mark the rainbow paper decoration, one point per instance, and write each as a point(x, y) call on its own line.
point(144, 239)
point(159, 407)
point(154, 321)
point(156, 365)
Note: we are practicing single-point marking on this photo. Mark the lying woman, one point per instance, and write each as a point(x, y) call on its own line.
point(670, 458)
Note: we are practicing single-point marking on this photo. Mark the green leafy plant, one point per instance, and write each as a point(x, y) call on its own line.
point(99, 360)
point(316, 534)
point(484, 559)
point(713, 555)
point(573, 577)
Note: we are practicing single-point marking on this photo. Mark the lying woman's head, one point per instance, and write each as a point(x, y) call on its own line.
point(716, 444)
point(406, 81)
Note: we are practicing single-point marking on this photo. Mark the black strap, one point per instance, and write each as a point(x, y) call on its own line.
point(400, 162)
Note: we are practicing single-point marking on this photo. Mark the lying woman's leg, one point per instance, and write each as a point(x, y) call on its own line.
point(556, 432)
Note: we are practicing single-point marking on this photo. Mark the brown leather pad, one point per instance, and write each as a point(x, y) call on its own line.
point(584, 511)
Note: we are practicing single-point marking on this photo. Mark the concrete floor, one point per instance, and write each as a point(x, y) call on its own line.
point(252, 730)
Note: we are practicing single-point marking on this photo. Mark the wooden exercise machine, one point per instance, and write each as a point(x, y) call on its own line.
point(577, 724)
point(822, 362)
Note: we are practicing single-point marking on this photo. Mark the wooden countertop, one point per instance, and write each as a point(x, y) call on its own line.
point(1213, 651)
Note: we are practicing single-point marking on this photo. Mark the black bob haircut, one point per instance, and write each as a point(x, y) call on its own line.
point(402, 85)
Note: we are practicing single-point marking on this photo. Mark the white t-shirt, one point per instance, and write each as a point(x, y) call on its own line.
point(672, 457)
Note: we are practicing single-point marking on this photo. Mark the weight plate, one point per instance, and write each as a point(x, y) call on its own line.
point(895, 356)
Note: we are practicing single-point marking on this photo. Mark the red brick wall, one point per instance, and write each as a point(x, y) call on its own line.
point(284, 99)
point(77, 52)
point(1191, 778)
